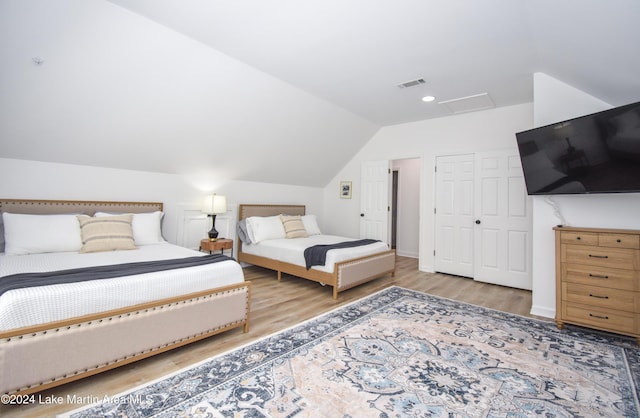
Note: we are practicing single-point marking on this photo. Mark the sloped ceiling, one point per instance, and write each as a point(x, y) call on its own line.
point(118, 90)
point(354, 53)
point(281, 91)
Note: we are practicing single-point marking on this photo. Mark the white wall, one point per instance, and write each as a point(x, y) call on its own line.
point(482, 131)
point(466, 133)
point(23, 179)
point(555, 101)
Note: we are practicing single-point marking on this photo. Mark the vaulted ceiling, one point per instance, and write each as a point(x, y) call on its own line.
point(283, 91)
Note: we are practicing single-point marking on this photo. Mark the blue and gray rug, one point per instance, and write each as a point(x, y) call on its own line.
point(401, 353)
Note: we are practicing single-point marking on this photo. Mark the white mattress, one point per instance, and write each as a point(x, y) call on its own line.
point(292, 250)
point(42, 304)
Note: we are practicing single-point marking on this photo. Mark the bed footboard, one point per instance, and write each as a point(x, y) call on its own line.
point(35, 358)
point(351, 273)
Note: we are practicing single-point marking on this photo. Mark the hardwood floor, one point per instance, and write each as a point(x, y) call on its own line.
point(274, 306)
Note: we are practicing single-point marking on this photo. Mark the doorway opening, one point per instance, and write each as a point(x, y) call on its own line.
point(394, 208)
point(404, 202)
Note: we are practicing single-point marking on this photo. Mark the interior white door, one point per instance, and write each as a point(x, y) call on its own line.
point(502, 235)
point(374, 200)
point(454, 214)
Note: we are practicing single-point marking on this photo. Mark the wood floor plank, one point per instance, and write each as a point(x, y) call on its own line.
point(275, 306)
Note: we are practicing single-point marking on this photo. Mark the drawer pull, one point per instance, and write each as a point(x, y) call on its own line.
point(599, 297)
point(578, 238)
point(598, 256)
point(598, 276)
point(598, 316)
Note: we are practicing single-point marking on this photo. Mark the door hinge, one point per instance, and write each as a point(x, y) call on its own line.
point(435, 168)
point(434, 210)
point(388, 208)
point(434, 252)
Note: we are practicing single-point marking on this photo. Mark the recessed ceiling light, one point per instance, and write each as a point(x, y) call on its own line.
point(428, 98)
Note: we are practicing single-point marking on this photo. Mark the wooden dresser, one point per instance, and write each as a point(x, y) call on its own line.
point(598, 279)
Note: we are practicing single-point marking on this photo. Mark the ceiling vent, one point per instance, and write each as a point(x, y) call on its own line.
point(469, 104)
point(412, 83)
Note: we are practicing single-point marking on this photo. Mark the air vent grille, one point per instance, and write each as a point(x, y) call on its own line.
point(411, 83)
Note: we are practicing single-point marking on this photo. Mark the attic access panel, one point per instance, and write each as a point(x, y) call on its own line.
point(469, 104)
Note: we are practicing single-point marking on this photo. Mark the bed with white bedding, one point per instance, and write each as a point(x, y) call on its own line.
point(55, 333)
point(38, 305)
point(344, 268)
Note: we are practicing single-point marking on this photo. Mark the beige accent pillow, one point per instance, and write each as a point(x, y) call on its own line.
point(106, 233)
point(293, 226)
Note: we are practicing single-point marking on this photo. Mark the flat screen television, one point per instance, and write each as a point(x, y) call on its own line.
point(597, 153)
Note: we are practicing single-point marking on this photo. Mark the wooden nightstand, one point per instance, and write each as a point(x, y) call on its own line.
point(220, 244)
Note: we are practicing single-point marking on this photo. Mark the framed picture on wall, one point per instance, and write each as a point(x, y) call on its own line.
point(345, 190)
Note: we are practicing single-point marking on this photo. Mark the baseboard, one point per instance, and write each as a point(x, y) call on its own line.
point(542, 311)
point(406, 254)
point(427, 268)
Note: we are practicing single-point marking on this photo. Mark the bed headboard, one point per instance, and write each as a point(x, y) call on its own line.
point(50, 207)
point(247, 210)
point(42, 207)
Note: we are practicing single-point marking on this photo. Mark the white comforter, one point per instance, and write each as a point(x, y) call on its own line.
point(292, 250)
point(37, 305)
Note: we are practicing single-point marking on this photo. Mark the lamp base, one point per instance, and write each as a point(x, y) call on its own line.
point(213, 233)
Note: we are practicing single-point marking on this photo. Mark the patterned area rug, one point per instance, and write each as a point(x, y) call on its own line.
point(401, 353)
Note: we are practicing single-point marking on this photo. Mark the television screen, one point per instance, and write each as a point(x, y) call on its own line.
point(597, 153)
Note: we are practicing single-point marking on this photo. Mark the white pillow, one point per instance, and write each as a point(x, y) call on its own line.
point(261, 228)
point(147, 227)
point(311, 224)
point(33, 234)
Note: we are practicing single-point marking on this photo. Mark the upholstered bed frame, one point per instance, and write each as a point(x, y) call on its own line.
point(346, 274)
point(38, 357)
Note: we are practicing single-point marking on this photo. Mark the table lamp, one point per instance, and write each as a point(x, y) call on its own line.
point(212, 206)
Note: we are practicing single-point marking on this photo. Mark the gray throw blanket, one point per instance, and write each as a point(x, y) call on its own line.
point(316, 255)
point(23, 280)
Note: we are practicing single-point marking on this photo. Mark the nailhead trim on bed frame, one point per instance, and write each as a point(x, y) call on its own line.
point(66, 206)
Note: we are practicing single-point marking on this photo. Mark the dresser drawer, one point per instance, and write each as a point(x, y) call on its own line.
point(619, 240)
point(579, 238)
point(623, 322)
point(623, 258)
point(601, 276)
point(603, 297)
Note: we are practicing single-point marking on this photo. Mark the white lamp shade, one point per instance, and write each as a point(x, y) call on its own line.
point(214, 204)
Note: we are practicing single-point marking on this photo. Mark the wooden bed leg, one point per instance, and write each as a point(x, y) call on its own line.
point(279, 276)
point(335, 292)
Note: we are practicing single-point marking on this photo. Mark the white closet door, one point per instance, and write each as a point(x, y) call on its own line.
point(374, 200)
point(502, 243)
point(483, 218)
point(454, 214)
